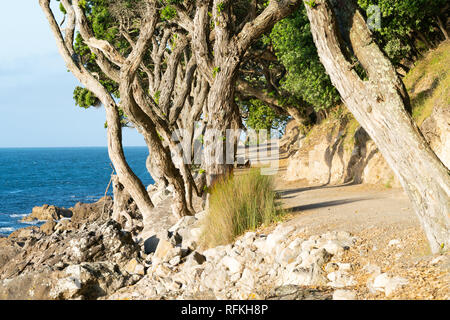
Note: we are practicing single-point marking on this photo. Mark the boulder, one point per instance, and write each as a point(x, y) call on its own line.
point(48, 227)
point(89, 212)
point(47, 212)
point(93, 243)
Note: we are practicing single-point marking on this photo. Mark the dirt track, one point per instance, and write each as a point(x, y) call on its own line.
point(376, 215)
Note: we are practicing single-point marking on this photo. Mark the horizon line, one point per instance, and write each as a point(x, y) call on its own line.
point(66, 147)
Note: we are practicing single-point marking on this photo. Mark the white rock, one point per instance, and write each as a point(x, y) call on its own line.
point(437, 260)
point(175, 261)
point(334, 247)
point(340, 279)
point(344, 295)
point(387, 284)
point(344, 267)
point(308, 245)
point(394, 242)
point(286, 256)
point(232, 264)
point(372, 269)
point(247, 279)
point(296, 245)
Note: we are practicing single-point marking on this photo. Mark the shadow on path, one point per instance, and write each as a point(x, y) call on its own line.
point(324, 204)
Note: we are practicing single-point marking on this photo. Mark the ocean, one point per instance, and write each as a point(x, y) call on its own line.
point(62, 177)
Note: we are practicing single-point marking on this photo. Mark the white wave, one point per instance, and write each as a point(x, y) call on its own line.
point(34, 222)
point(18, 215)
point(15, 191)
point(6, 229)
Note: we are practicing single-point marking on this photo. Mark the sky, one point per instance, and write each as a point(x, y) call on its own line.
point(36, 104)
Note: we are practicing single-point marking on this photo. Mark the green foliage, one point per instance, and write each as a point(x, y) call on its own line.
point(168, 13)
point(306, 77)
point(216, 70)
point(62, 9)
point(220, 7)
point(402, 21)
point(262, 117)
point(85, 98)
point(238, 204)
point(156, 97)
point(311, 3)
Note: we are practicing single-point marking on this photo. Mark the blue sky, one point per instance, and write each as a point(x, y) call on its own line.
point(36, 104)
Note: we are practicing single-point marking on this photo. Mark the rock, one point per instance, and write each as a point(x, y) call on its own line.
point(89, 212)
point(312, 276)
point(134, 267)
point(372, 269)
point(48, 227)
point(387, 284)
point(84, 281)
point(273, 240)
point(214, 278)
point(334, 247)
point(293, 292)
point(47, 212)
point(93, 243)
point(89, 281)
point(286, 256)
point(162, 251)
point(344, 295)
point(437, 260)
point(24, 233)
point(195, 258)
point(340, 279)
point(160, 195)
point(394, 242)
point(248, 280)
point(232, 264)
point(64, 225)
point(183, 223)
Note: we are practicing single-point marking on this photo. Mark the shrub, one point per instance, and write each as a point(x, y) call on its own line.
point(238, 204)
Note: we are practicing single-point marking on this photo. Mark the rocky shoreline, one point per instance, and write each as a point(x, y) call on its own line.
point(91, 256)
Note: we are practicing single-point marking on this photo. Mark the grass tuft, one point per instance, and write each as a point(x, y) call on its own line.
point(239, 204)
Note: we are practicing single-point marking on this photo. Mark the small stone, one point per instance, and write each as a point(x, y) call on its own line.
point(394, 242)
point(437, 260)
point(344, 295)
point(340, 279)
point(175, 261)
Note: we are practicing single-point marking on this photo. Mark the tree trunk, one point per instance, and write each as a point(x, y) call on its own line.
point(220, 118)
point(379, 105)
point(442, 27)
point(424, 39)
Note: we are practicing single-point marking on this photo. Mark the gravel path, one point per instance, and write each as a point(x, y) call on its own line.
point(390, 236)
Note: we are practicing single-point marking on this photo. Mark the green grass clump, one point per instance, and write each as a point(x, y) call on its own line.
point(238, 204)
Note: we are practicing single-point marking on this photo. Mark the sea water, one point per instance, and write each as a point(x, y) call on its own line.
point(62, 177)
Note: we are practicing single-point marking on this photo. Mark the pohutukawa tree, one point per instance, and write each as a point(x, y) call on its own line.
point(378, 100)
point(222, 32)
point(162, 66)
